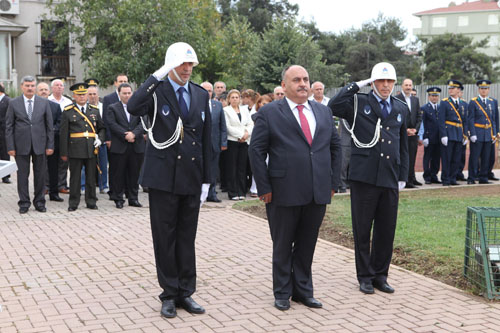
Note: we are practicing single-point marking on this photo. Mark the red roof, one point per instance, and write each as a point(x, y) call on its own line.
point(476, 6)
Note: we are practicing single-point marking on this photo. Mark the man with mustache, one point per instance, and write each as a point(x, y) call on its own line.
point(378, 170)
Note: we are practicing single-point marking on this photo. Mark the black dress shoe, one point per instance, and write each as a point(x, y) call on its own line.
point(23, 210)
point(470, 182)
point(454, 183)
point(366, 287)
point(168, 308)
point(41, 209)
point(214, 199)
point(484, 182)
point(435, 181)
point(383, 286)
point(56, 197)
point(342, 190)
point(188, 304)
point(409, 185)
point(119, 204)
point(310, 302)
point(92, 206)
point(282, 304)
point(134, 203)
point(6, 180)
point(446, 184)
point(493, 178)
point(417, 183)
point(462, 178)
point(428, 182)
point(71, 209)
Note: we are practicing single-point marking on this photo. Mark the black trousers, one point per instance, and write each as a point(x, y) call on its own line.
point(236, 159)
point(294, 231)
point(432, 160)
point(53, 166)
point(75, 179)
point(479, 150)
point(174, 221)
point(3, 153)
point(450, 155)
point(461, 163)
point(373, 207)
point(23, 173)
point(125, 172)
point(492, 160)
point(412, 152)
point(214, 168)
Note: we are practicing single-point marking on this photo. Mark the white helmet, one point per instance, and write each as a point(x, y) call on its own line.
point(179, 53)
point(383, 71)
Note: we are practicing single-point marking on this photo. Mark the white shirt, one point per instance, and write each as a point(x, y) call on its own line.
point(63, 102)
point(307, 112)
point(324, 101)
point(408, 101)
point(126, 112)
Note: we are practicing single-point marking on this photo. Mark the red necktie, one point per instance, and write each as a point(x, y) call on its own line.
point(304, 124)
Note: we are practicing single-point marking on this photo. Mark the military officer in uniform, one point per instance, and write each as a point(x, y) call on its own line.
point(432, 145)
point(452, 112)
point(81, 133)
point(482, 133)
point(378, 170)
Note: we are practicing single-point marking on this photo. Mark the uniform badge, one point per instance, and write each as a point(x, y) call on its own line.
point(367, 110)
point(203, 116)
point(399, 118)
point(165, 110)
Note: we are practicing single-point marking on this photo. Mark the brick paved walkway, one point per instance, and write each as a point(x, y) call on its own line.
point(93, 271)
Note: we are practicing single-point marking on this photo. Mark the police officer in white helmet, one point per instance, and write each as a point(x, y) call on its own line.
point(378, 170)
point(176, 169)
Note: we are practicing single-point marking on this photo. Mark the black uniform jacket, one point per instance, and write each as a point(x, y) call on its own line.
point(387, 162)
point(184, 166)
point(73, 122)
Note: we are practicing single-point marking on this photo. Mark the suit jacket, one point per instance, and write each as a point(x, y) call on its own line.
point(430, 118)
point(298, 173)
point(73, 122)
point(118, 124)
point(106, 102)
point(448, 113)
point(235, 127)
point(386, 163)
point(219, 129)
point(4, 104)
point(476, 116)
point(21, 134)
point(184, 166)
point(414, 119)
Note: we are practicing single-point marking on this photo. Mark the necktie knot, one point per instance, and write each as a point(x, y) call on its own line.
point(300, 108)
point(385, 108)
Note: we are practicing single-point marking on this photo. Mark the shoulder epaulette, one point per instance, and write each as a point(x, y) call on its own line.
point(444, 99)
point(69, 107)
point(474, 98)
point(399, 100)
point(94, 106)
point(491, 99)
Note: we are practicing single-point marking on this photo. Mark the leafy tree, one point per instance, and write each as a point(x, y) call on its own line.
point(455, 56)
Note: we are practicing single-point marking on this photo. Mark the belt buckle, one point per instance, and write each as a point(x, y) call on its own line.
point(86, 134)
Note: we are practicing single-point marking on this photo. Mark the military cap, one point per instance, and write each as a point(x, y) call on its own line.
point(62, 78)
point(483, 83)
point(454, 84)
point(79, 88)
point(92, 82)
point(434, 90)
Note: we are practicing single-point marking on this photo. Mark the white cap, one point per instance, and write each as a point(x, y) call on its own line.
point(179, 53)
point(383, 71)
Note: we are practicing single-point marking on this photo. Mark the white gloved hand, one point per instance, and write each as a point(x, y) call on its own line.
point(204, 193)
point(401, 185)
point(465, 141)
point(162, 72)
point(97, 142)
point(425, 142)
point(363, 83)
point(473, 138)
point(444, 140)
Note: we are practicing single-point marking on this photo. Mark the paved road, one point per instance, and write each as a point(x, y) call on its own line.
point(93, 271)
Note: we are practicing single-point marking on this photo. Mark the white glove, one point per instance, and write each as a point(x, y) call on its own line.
point(401, 185)
point(163, 71)
point(465, 141)
point(473, 138)
point(363, 83)
point(425, 142)
point(97, 142)
point(204, 193)
point(444, 140)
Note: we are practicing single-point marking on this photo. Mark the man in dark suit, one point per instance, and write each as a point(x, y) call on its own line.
point(4, 104)
point(413, 121)
point(81, 133)
point(303, 146)
point(127, 148)
point(432, 145)
point(176, 164)
point(378, 170)
point(29, 132)
point(219, 139)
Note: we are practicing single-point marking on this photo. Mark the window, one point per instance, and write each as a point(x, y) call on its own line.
point(439, 22)
point(55, 60)
point(492, 19)
point(4, 56)
point(463, 21)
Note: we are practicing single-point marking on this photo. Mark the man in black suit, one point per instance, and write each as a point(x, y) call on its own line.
point(303, 146)
point(378, 170)
point(176, 164)
point(29, 132)
point(219, 139)
point(42, 90)
point(413, 121)
point(4, 104)
point(127, 148)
